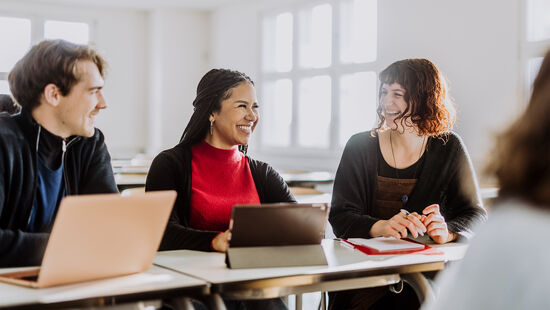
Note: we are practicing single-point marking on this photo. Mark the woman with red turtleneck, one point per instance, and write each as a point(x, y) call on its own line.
point(211, 174)
point(208, 169)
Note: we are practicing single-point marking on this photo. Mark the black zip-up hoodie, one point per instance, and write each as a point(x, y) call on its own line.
point(86, 170)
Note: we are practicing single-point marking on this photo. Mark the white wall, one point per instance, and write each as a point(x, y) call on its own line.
point(179, 57)
point(475, 43)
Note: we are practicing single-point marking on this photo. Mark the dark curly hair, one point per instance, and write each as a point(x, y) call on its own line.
point(428, 104)
point(521, 157)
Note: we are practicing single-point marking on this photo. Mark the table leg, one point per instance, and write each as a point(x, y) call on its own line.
point(420, 285)
point(299, 301)
point(215, 301)
point(323, 301)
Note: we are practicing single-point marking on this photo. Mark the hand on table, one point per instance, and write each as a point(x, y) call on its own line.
point(220, 243)
point(397, 226)
point(436, 225)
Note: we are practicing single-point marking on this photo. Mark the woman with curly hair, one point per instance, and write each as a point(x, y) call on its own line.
point(411, 161)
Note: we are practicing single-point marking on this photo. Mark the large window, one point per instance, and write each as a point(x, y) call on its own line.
point(318, 74)
point(18, 33)
point(537, 38)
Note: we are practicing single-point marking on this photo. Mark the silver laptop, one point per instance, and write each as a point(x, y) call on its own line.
point(100, 236)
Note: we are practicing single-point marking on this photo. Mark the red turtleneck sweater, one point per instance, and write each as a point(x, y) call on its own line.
point(220, 180)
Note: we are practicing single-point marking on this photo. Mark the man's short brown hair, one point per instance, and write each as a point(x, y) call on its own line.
point(50, 61)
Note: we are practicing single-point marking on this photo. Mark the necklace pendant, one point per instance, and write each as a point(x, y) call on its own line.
point(404, 198)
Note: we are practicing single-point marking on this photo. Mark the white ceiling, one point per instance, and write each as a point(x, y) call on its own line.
point(145, 4)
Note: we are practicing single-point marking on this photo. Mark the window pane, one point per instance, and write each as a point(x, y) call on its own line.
point(316, 37)
point(276, 112)
point(78, 33)
point(15, 34)
point(357, 104)
point(358, 32)
point(4, 87)
point(314, 112)
point(538, 20)
point(277, 43)
point(268, 44)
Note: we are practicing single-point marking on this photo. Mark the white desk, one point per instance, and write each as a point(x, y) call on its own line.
point(320, 198)
point(486, 193)
point(347, 269)
point(307, 178)
point(132, 179)
point(156, 283)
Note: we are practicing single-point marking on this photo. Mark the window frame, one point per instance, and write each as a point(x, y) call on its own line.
point(528, 49)
point(335, 71)
point(37, 27)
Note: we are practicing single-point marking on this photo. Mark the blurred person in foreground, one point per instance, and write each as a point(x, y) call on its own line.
point(506, 266)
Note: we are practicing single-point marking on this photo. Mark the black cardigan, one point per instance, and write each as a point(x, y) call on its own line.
point(171, 169)
point(447, 178)
point(86, 170)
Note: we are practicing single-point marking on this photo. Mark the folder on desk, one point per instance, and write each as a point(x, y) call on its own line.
point(277, 235)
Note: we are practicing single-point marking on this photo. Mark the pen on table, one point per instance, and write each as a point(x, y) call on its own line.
point(345, 244)
point(418, 230)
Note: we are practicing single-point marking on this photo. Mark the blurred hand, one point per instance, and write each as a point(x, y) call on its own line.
point(397, 226)
point(436, 225)
point(220, 243)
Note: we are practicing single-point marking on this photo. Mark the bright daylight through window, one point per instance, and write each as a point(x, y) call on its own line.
point(17, 34)
point(318, 81)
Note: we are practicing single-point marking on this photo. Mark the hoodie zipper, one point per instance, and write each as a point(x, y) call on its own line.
point(35, 175)
point(64, 146)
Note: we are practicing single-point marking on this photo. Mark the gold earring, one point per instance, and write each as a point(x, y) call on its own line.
point(211, 125)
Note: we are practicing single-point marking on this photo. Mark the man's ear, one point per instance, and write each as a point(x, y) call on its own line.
point(51, 94)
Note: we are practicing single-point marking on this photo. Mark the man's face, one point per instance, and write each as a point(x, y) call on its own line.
point(77, 110)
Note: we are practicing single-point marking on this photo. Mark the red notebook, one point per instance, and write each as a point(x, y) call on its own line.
point(427, 250)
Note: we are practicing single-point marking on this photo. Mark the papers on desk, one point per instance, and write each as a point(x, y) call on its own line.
point(387, 244)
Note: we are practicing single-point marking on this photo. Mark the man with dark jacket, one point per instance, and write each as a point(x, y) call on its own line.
point(50, 149)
